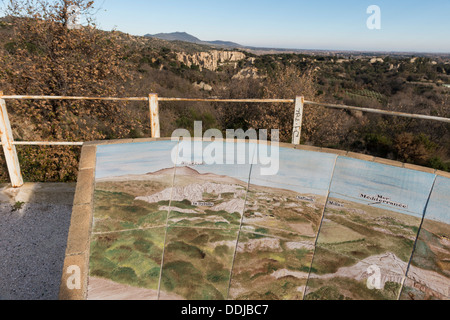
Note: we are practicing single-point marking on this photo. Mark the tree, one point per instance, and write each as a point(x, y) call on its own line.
point(288, 82)
point(45, 57)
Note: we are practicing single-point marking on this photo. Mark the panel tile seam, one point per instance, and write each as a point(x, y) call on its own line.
point(167, 222)
point(318, 230)
point(337, 152)
point(240, 227)
point(417, 237)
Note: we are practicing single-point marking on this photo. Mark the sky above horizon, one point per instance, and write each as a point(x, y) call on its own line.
point(420, 26)
point(406, 26)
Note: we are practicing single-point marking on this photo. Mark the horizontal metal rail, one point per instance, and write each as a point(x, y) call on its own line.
point(153, 99)
point(72, 98)
point(46, 143)
point(378, 111)
point(229, 100)
point(162, 99)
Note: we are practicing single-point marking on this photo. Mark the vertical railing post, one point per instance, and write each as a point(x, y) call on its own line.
point(298, 119)
point(9, 149)
point(154, 115)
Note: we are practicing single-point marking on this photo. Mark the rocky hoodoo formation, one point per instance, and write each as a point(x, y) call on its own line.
point(211, 60)
point(246, 73)
point(203, 86)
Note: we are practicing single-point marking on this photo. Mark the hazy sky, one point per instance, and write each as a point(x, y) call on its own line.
point(301, 171)
point(324, 24)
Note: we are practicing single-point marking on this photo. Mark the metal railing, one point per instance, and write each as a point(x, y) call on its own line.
point(9, 145)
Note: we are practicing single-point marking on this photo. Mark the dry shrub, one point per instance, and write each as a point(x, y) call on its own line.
point(412, 149)
point(44, 57)
point(321, 126)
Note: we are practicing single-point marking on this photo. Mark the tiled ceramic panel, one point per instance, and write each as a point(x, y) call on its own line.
point(121, 210)
point(132, 160)
point(429, 273)
point(304, 172)
point(382, 186)
point(339, 277)
point(362, 231)
point(294, 197)
point(197, 263)
point(218, 220)
point(413, 290)
point(222, 158)
point(282, 217)
point(373, 216)
point(283, 209)
point(128, 231)
point(126, 265)
point(374, 209)
point(270, 265)
point(128, 176)
point(210, 189)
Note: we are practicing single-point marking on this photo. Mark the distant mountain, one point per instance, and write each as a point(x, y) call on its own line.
point(186, 37)
point(175, 36)
point(225, 43)
point(185, 171)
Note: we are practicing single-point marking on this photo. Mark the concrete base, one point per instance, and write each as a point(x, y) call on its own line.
point(34, 226)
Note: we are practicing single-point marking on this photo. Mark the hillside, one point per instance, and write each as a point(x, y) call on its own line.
point(135, 66)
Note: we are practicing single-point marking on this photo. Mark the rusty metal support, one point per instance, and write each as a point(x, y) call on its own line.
point(73, 98)
point(9, 149)
point(298, 120)
point(378, 111)
point(154, 115)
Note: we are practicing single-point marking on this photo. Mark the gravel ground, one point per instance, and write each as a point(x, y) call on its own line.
point(33, 240)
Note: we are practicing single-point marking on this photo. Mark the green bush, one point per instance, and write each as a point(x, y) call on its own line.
point(437, 163)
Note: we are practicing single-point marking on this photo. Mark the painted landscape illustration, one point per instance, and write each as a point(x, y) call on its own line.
point(319, 229)
point(247, 150)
